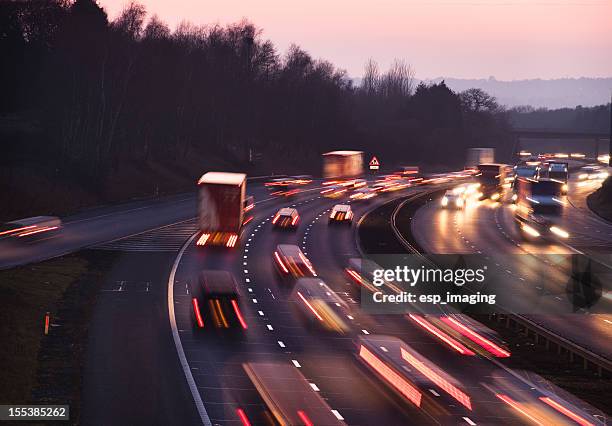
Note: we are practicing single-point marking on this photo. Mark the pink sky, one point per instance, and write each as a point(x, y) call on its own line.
point(509, 39)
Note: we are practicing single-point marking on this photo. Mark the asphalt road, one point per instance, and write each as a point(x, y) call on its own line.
point(327, 361)
point(147, 365)
point(488, 229)
point(101, 225)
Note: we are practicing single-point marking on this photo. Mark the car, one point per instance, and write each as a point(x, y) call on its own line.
point(291, 262)
point(215, 300)
point(30, 228)
point(341, 213)
point(592, 172)
point(364, 194)
point(286, 218)
point(453, 199)
point(356, 184)
point(334, 191)
point(320, 305)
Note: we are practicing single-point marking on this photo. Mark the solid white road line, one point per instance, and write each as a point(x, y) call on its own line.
point(177, 340)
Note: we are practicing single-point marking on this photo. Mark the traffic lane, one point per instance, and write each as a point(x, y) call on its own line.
point(478, 229)
point(524, 387)
point(131, 372)
point(491, 231)
point(355, 399)
point(217, 361)
point(106, 224)
point(473, 373)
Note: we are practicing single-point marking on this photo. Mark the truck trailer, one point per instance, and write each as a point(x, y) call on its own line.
point(342, 164)
point(222, 208)
point(476, 156)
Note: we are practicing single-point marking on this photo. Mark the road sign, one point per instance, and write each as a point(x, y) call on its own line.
point(374, 163)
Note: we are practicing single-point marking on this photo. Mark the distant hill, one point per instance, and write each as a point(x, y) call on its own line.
point(557, 93)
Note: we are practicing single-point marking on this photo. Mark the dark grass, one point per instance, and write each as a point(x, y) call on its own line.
point(38, 369)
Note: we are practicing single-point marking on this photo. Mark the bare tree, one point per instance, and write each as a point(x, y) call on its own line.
point(398, 81)
point(371, 78)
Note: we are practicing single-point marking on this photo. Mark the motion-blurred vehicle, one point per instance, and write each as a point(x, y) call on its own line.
point(379, 186)
point(291, 262)
point(286, 218)
point(525, 170)
point(453, 199)
point(30, 228)
point(411, 375)
point(320, 305)
point(223, 208)
point(287, 186)
point(592, 172)
point(216, 300)
point(410, 172)
point(289, 397)
point(555, 170)
point(334, 191)
point(341, 213)
point(361, 272)
point(538, 207)
point(492, 178)
point(363, 194)
point(282, 187)
point(342, 164)
point(477, 156)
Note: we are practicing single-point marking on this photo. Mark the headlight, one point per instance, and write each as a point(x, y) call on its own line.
point(583, 176)
point(514, 197)
point(495, 196)
point(529, 230)
point(459, 202)
point(444, 201)
point(564, 188)
point(559, 232)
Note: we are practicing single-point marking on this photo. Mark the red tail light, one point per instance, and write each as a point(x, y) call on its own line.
point(304, 418)
point(38, 231)
point(12, 231)
point(202, 240)
point(243, 418)
point(232, 241)
point(512, 403)
point(459, 347)
point(280, 263)
point(437, 379)
point(312, 309)
point(394, 379)
point(295, 219)
point(239, 314)
point(560, 408)
point(196, 311)
point(476, 338)
point(275, 219)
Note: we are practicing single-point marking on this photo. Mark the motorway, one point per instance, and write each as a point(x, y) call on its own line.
point(327, 361)
point(148, 365)
point(488, 229)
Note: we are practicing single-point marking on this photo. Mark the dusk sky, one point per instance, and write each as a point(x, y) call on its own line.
point(508, 39)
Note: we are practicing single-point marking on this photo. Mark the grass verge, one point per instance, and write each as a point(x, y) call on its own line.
point(39, 369)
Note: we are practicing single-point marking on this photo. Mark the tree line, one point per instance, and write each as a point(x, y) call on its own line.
point(85, 95)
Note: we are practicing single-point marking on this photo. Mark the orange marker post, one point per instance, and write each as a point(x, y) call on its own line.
point(47, 323)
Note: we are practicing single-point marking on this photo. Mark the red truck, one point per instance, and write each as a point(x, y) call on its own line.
point(222, 208)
